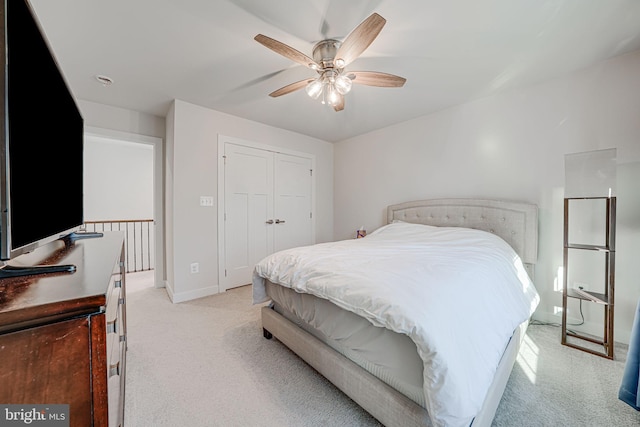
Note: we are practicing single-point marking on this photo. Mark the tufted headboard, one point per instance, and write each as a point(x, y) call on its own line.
point(514, 222)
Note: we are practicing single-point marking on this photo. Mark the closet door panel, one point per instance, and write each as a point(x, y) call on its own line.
point(293, 176)
point(248, 207)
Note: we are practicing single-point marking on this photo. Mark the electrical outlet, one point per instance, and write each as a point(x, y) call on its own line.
point(195, 267)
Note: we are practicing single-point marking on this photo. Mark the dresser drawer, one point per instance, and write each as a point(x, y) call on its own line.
point(115, 329)
point(49, 365)
point(116, 382)
point(116, 345)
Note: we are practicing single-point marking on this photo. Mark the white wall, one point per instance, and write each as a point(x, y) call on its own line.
point(128, 191)
point(120, 119)
point(191, 172)
point(510, 146)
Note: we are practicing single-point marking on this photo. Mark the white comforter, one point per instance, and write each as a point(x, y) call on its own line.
point(458, 293)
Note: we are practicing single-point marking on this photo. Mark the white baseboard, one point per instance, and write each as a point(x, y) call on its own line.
point(179, 297)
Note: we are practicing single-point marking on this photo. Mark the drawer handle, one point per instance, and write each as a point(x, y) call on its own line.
point(114, 369)
point(112, 327)
point(118, 284)
point(123, 338)
point(120, 301)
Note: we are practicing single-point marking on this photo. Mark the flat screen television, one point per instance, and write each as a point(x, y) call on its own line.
point(41, 139)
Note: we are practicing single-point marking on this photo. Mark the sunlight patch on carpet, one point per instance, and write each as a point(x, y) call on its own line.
point(528, 358)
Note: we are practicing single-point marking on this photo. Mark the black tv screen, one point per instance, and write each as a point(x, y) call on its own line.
point(42, 150)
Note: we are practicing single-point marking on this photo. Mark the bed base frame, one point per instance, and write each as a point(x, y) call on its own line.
point(515, 222)
point(383, 402)
point(379, 399)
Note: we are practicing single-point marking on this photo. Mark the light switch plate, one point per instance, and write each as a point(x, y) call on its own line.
point(206, 200)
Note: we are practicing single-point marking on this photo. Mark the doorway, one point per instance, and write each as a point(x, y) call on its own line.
point(114, 162)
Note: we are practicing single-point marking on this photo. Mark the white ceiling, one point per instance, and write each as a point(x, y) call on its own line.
point(203, 52)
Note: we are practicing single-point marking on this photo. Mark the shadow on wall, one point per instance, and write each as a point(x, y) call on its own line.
point(628, 213)
point(627, 281)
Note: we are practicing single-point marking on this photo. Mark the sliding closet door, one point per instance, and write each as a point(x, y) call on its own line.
point(267, 206)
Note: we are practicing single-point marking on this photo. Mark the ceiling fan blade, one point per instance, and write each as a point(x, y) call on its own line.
point(360, 39)
point(290, 88)
point(339, 106)
point(374, 78)
point(286, 51)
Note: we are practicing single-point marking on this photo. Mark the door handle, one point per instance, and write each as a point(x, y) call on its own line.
point(279, 221)
point(269, 221)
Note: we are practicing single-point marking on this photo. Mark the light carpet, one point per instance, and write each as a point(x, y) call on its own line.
point(205, 363)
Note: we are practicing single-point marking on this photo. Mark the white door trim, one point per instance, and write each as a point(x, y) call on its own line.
point(222, 140)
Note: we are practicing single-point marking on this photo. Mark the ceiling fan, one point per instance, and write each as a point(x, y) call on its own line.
point(330, 57)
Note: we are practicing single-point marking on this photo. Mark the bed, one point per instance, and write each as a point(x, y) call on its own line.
point(420, 322)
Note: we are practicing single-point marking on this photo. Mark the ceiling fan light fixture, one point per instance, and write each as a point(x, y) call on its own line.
point(332, 94)
point(314, 89)
point(343, 85)
point(330, 85)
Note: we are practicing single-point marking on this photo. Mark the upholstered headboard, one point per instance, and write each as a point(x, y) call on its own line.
point(514, 222)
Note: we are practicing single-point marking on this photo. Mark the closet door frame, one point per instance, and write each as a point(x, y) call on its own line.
point(224, 139)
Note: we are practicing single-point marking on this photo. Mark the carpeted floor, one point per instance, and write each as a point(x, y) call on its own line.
point(205, 363)
point(554, 385)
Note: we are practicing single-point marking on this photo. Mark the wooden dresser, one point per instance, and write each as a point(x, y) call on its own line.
point(63, 335)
